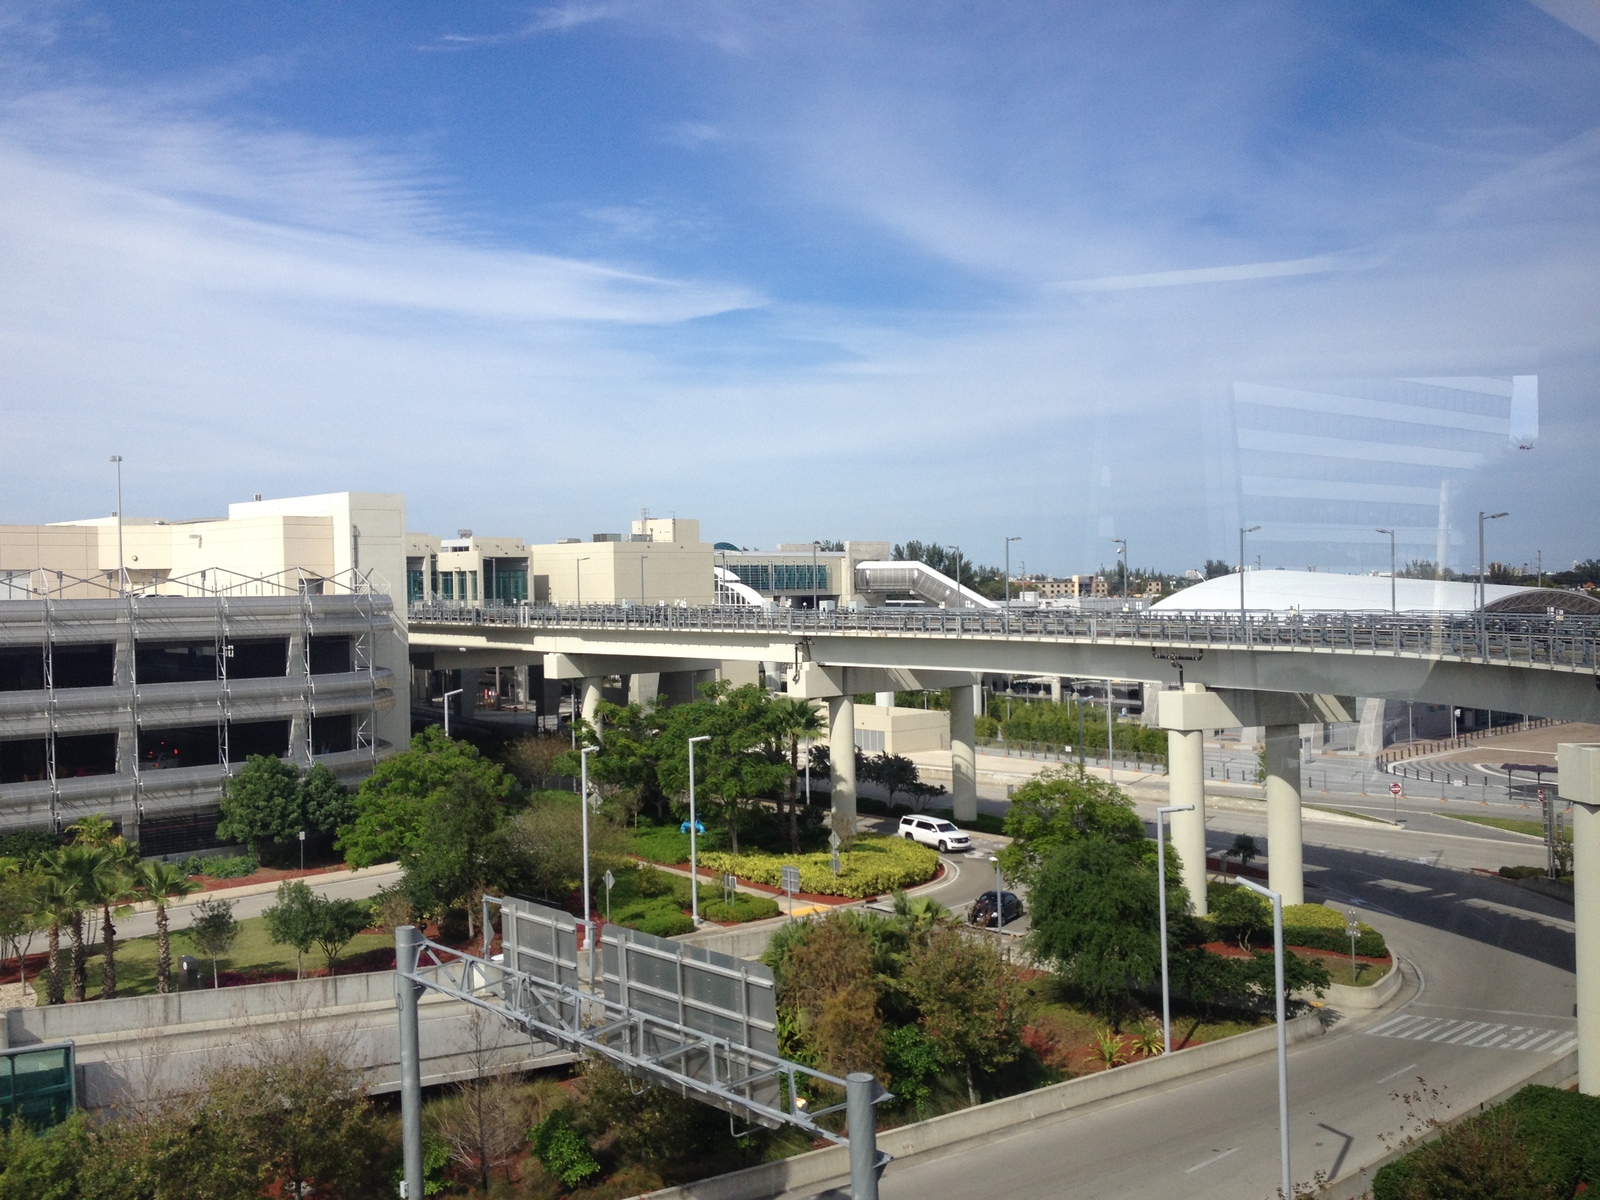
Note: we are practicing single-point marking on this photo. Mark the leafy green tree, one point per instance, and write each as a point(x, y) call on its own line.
point(1096, 918)
point(158, 882)
point(325, 803)
point(539, 852)
point(1239, 913)
point(448, 864)
point(971, 1004)
point(21, 911)
point(337, 921)
point(292, 921)
point(796, 719)
point(1057, 807)
point(894, 773)
point(746, 757)
point(390, 804)
point(261, 804)
point(213, 931)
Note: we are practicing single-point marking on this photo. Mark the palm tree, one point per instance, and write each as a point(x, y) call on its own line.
point(107, 885)
point(796, 719)
point(156, 881)
point(56, 905)
point(92, 877)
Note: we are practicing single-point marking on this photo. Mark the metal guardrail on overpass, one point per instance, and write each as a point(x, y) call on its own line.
point(1570, 643)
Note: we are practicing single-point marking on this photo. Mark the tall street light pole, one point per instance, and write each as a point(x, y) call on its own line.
point(1242, 531)
point(694, 862)
point(1283, 1042)
point(1393, 607)
point(122, 570)
point(578, 566)
point(1483, 519)
point(583, 759)
point(1161, 887)
point(1122, 549)
point(816, 598)
point(447, 695)
point(1009, 540)
point(642, 557)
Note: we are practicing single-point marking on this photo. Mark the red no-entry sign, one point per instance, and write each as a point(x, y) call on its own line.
point(1395, 789)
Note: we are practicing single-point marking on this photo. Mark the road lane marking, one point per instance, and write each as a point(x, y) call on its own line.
point(1215, 1159)
point(1476, 1034)
point(1398, 1073)
point(1394, 885)
point(1522, 914)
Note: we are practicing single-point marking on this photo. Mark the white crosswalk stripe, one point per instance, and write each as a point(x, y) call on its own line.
point(1484, 1035)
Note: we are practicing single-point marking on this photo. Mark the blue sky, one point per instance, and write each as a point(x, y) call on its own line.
point(832, 270)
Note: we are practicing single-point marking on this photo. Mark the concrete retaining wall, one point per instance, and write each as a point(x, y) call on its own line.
point(147, 1047)
point(1364, 999)
point(821, 1167)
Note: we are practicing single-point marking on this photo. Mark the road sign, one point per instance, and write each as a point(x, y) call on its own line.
point(1395, 789)
point(791, 879)
point(610, 880)
point(833, 841)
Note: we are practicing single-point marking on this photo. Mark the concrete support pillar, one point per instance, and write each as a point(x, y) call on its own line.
point(590, 691)
point(1186, 784)
point(645, 688)
point(471, 681)
point(1578, 767)
point(963, 753)
point(1285, 872)
point(1055, 689)
point(676, 687)
point(842, 756)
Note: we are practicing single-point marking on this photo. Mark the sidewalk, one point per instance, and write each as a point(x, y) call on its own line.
point(239, 891)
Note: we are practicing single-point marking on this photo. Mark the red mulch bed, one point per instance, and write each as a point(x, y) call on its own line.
point(263, 875)
point(808, 897)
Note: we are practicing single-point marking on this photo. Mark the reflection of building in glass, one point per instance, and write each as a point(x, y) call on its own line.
point(1321, 466)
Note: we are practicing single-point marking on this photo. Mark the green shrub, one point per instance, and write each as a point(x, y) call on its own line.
point(1521, 872)
point(653, 881)
point(226, 866)
point(663, 923)
point(874, 866)
point(1318, 927)
point(744, 908)
point(562, 1150)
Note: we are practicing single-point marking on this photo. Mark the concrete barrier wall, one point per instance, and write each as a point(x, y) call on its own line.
point(833, 1164)
point(148, 1047)
point(1364, 999)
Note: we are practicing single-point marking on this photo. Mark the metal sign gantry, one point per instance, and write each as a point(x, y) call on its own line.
point(698, 1023)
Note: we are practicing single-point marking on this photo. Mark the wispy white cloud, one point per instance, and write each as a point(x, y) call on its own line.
point(1238, 273)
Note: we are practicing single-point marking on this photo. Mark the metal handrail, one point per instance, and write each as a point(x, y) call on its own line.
point(1556, 642)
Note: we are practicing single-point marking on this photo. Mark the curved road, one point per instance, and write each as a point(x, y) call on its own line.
point(1487, 1002)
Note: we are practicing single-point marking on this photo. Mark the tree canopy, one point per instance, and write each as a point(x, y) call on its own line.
point(390, 807)
point(1060, 806)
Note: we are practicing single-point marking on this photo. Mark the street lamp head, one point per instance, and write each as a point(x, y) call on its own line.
point(704, 737)
point(1264, 892)
point(116, 458)
point(1390, 532)
point(1497, 516)
point(1250, 529)
point(587, 750)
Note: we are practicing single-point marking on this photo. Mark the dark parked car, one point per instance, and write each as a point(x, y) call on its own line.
point(983, 909)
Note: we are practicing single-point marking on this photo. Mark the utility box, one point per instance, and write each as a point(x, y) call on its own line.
point(189, 971)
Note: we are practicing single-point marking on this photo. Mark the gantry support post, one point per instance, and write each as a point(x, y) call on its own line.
point(1285, 867)
point(407, 943)
point(861, 1125)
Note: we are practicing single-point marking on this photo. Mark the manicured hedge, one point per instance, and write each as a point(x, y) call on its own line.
point(1317, 927)
point(874, 866)
point(1541, 1138)
point(745, 907)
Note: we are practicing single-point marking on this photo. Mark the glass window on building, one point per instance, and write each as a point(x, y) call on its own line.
point(37, 1085)
point(472, 577)
point(416, 581)
point(510, 584)
point(447, 585)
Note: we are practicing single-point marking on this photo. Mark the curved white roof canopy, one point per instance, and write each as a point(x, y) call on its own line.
point(1317, 591)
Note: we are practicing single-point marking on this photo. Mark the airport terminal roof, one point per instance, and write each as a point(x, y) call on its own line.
point(1321, 591)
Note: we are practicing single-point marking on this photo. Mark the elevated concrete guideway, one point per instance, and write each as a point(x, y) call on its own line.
point(1539, 665)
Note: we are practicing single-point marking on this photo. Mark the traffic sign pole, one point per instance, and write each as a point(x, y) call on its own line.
point(1394, 790)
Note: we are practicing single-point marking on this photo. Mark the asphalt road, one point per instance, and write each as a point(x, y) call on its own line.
point(181, 913)
point(1488, 1002)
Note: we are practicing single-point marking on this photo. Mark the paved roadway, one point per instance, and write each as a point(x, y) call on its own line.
point(180, 914)
point(1488, 1002)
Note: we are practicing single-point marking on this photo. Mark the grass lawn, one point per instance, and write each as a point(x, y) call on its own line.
point(1509, 824)
point(1366, 974)
point(254, 960)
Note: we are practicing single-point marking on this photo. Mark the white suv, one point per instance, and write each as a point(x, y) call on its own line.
point(932, 831)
